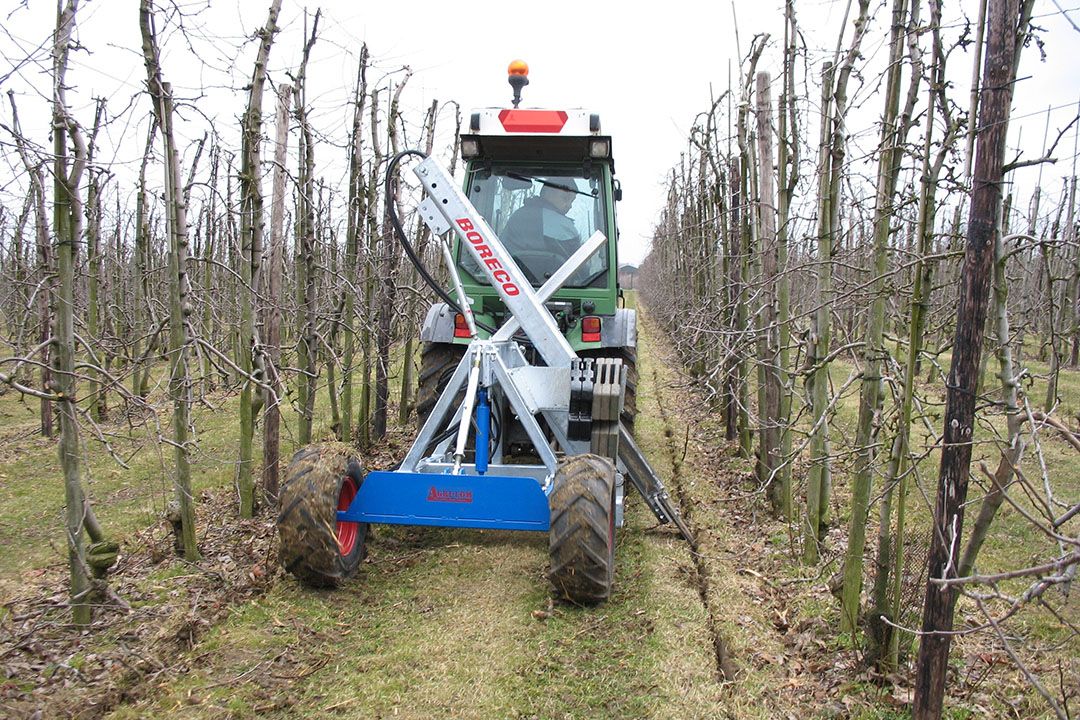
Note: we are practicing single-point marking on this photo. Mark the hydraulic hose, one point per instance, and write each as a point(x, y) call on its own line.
point(399, 230)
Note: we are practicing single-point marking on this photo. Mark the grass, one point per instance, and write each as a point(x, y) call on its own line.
point(125, 499)
point(440, 624)
point(455, 623)
point(444, 623)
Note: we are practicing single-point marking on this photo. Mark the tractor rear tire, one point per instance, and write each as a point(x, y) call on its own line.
point(437, 364)
point(315, 547)
point(629, 357)
point(582, 535)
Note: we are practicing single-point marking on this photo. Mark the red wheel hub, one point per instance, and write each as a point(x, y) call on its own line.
point(347, 531)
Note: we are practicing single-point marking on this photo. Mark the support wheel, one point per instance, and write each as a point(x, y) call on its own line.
point(320, 480)
point(582, 535)
point(437, 363)
point(629, 357)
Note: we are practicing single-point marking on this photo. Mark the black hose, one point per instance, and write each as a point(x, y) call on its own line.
point(391, 209)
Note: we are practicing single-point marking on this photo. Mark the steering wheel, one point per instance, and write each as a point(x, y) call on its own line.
point(538, 262)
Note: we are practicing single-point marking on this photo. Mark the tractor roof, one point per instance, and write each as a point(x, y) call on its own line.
point(509, 135)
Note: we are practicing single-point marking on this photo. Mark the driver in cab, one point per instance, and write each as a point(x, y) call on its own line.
point(539, 234)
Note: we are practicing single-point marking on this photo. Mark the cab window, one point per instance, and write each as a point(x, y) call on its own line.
point(541, 217)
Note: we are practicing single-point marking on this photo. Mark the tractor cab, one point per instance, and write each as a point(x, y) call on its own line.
point(544, 180)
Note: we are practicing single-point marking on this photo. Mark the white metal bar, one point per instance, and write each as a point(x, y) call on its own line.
point(467, 408)
point(434, 422)
point(462, 298)
point(556, 281)
point(527, 419)
point(505, 276)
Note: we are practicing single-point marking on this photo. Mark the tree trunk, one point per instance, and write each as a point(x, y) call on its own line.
point(179, 300)
point(208, 325)
point(737, 255)
point(769, 452)
point(45, 268)
point(995, 100)
point(893, 135)
point(67, 224)
point(818, 346)
point(412, 278)
point(833, 146)
point(354, 220)
point(307, 347)
point(363, 419)
point(251, 223)
point(98, 403)
point(388, 272)
point(142, 318)
point(1014, 450)
point(787, 179)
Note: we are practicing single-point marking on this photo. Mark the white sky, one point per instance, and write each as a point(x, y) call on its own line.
point(646, 68)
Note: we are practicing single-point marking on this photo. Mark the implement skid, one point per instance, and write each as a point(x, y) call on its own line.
point(460, 471)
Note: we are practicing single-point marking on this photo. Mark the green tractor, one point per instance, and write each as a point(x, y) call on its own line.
point(544, 180)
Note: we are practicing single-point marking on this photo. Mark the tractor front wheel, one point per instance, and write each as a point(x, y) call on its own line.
point(582, 535)
point(438, 361)
point(315, 547)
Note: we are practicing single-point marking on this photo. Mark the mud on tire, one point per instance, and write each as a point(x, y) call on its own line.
point(437, 363)
point(582, 535)
point(315, 547)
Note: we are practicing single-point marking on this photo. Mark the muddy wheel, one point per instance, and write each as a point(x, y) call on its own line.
point(582, 535)
point(437, 363)
point(320, 480)
point(629, 357)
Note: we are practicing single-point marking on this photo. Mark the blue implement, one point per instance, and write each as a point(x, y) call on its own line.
point(471, 501)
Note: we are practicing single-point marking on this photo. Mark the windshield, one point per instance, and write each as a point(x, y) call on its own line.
point(541, 217)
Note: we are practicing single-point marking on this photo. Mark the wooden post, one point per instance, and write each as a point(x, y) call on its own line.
point(769, 461)
point(272, 321)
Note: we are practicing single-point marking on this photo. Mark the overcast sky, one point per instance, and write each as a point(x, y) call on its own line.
point(648, 69)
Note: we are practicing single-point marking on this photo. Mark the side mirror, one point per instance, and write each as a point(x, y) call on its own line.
point(618, 191)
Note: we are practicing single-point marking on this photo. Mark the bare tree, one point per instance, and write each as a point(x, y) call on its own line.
point(894, 128)
point(307, 344)
point(43, 290)
point(180, 306)
point(354, 229)
point(251, 223)
point(67, 224)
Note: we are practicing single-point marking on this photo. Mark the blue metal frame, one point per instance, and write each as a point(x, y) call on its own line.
point(506, 502)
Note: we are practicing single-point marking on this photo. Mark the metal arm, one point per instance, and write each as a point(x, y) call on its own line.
point(490, 254)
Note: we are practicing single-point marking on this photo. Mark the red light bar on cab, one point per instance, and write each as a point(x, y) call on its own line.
point(533, 121)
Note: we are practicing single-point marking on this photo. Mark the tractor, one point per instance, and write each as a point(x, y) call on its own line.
point(528, 382)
